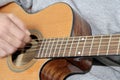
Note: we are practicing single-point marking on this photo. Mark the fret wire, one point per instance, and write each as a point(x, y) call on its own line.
point(99, 46)
point(55, 47)
point(76, 51)
point(102, 45)
point(40, 49)
point(116, 35)
point(46, 52)
point(88, 42)
point(88, 46)
point(76, 40)
point(65, 48)
point(91, 46)
point(108, 54)
point(118, 47)
point(67, 43)
point(108, 45)
point(42, 53)
point(60, 47)
point(70, 47)
point(85, 38)
point(51, 48)
point(103, 51)
point(78, 47)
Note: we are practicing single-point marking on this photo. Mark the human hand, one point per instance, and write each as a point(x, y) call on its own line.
point(13, 34)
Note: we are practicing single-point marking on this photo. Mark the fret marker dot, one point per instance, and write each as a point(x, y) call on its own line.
point(78, 52)
point(82, 39)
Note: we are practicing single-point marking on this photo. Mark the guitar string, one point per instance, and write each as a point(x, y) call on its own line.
point(34, 42)
point(89, 38)
point(75, 47)
point(102, 49)
point(80, 13)
point(77, 37)
point(72, 48)
point(95, 46)
point(67, 48)
point(69, 42)
point(113, 43)
point(61, 55)
point(116, 38)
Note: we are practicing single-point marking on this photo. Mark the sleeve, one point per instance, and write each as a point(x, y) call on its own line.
point(4, 2)
point(25, 4)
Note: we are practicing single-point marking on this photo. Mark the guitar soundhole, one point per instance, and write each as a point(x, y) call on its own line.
point(24, 57)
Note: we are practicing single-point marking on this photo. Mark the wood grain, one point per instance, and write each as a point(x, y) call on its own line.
point(57, 20)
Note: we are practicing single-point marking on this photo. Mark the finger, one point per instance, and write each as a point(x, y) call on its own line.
point(12, 40)
point(8, 25)
point(2, 53)
point(19, 23)
point(18, 33)
point(9, 49)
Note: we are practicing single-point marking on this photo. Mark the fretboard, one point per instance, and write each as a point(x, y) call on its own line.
point(101, 45)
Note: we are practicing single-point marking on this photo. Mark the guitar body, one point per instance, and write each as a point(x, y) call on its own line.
point(55, 21)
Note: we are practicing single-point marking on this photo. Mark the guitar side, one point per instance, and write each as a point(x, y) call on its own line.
point(54, 21)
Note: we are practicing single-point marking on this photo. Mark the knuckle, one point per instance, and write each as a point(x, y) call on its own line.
point(6, 25)
point(12, 50)
point(1, 33)
point(21, 36)
point(23, 26)
point(7, 22)
point(27, 39)
point(3, 27)
point(18, 45)
point(2, 53)
point(11, 15)
point(9, 39)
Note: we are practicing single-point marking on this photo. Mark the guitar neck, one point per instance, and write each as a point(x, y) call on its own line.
point(79, 46)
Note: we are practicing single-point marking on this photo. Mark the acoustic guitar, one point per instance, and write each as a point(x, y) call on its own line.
point(60, 40)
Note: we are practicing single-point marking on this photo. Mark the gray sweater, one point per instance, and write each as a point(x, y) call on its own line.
point(3, 2)
point(25, 3)
point(102, 15)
